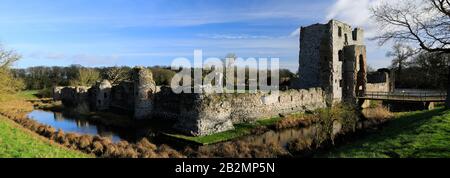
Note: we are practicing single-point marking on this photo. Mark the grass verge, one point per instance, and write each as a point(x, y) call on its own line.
point(18, 142)
point(421, 134)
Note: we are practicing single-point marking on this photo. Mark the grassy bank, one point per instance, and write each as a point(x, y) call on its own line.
point(239, 131)
point(411, 135)
point(17, 142)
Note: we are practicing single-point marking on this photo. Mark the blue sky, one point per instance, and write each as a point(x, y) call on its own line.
point(144, 32)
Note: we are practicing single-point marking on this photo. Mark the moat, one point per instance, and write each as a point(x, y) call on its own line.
point(80, 125)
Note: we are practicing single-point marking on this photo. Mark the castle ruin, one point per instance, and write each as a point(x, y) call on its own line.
point(332, 69)
point(333, 57)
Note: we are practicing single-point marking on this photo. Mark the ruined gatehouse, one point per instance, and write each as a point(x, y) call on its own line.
point(333, 57)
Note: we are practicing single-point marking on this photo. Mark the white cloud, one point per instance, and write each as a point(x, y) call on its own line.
point(295, 33)
point(357, 13)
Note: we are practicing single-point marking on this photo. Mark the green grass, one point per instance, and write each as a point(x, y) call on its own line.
point(17, 142)
point(423, 134)
point(28, 94)
point(239, 131)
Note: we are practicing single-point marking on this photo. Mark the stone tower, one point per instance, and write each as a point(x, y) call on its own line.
point(330, 57)
point(145, 88)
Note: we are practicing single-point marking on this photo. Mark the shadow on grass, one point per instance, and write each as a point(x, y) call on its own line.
point(415, 134)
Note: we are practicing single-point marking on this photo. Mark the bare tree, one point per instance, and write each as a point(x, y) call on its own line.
point(400, 55)
point(85, 77)
point(7, 57)
point(423, 22)
point(116, 74)
point(7, 81)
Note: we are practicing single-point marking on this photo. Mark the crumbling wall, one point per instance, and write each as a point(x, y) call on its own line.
point(379, 82)
point(74, 96)
point(145, 88)
point(57, 93)
point(204, 114)
point(354, 75)
point(100, 96)
point(310, 42)
point(123, 97)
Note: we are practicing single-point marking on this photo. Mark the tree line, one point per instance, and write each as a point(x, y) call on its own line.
point(419, 69)
point(43, 77)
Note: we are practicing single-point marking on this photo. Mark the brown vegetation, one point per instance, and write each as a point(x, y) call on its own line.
point(293, 121)
point(238, 149)
point(379, 113)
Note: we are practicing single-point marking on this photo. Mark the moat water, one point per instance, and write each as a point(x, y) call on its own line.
point(81, 125)
point(73, 124)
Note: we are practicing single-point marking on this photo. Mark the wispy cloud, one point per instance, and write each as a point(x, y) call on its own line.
point(157, 13)
point(83, 59)
point(233, 36)
point(357, 13)
point(94, 60)
point(295, 33)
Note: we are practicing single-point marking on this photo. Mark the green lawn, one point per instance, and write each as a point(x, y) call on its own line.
point(239, 131)
point(17, 142)
point(28, 94)
point(423, 134)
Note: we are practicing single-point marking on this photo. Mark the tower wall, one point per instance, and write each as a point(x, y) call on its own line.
point(354, 72)
point(145, 88)
point(322, 56)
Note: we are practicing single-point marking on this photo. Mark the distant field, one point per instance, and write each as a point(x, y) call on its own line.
point(422, 134)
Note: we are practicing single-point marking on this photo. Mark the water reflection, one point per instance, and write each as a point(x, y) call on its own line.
point(72, 125)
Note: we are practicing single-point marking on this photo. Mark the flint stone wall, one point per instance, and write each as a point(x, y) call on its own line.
point(145, 88)
point(205, 114)
point(74, 96)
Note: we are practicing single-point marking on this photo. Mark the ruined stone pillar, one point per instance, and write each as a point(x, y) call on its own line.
point(145, 88)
